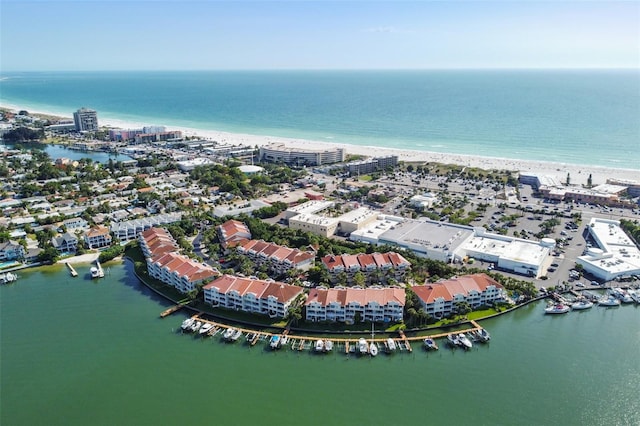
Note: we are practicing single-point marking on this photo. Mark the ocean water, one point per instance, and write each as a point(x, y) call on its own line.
point(589, 117)
point(76, 351)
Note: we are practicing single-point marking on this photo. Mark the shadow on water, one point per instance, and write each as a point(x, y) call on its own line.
point(130, 280)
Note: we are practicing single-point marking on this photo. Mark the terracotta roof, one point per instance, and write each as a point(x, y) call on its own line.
point(262, 289)
point(97, 231)
point(447, 290)
point(362, 297)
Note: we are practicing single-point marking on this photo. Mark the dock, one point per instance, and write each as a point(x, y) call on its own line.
point(305, 343)
point(171, 310)
point(72, 271)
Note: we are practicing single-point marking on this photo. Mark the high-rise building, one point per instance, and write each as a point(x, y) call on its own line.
point(86, 120)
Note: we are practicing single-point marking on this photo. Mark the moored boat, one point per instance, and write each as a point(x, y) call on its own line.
point(483, 335)
point(206, 327)
point(453, 340)
point(186, 324)
point(319, 347)
point(373, 349)
point(557, 308)
point(430, 344)
point(8, 277)
point(581, 305)
point(391, 345)
point(236, 335)
point(328, 345)
point(196, 326)
point(609, 301)
point(228, 333)
point(274, 342)
point(464, 341)
point(363, 346)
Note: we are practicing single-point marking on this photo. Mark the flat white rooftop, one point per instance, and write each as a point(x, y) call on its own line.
point(512, 249)
point(310, 207)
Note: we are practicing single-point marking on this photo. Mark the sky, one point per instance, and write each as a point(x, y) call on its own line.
point(92, 35)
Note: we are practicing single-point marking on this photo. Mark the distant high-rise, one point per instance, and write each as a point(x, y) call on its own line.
point(86, 120)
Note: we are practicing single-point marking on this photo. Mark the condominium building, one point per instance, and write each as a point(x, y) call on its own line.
point(251, 295)
point(281, 153)
point(440, 299)
point(130, 229)
point(376, 267)
point(350, 304)
point(232, 232)
point(85, 120)
point(180, 271)
point(279, 259)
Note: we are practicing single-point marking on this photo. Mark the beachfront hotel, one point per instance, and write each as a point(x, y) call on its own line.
point(85, 120)
point(251, 295)
point(345, 304)
point(376, 267)
point(439, 299)
point(279, 259)
point(281, 153)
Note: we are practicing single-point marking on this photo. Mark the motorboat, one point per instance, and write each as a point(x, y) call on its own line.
point(609, 301)
point(557, 308)
point(196, 326)
point(186, 324)
point(206, 327)
point(453, 340)
point(250, 337)
point(319, 347)
point(464, 341)
point(228, 333)
point(328, 345)
point(8, 277)
point(95, 272)
point(483, 335)
point(623, 295)
point(236, 335)
point(430, 344)
point(284, 340)
point(582, 304)
point(363, 346)
point(274, 342)
point(373, 349)
point(391, 345)
point(635, 295)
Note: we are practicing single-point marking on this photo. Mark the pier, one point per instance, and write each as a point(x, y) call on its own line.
point(171, 310)
point(72, 271)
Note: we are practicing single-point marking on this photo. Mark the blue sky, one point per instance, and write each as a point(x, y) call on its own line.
point(193, 35)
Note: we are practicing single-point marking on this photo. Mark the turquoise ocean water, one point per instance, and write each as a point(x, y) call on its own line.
point(587, 117)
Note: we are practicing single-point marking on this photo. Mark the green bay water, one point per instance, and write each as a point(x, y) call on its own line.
point(76, 352)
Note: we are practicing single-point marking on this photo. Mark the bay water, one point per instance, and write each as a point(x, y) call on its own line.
point(589, 117)
point(76, 351)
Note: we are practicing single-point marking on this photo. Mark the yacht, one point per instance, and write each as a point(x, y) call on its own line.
point(391, 345)
point(236, 335)
point(95, 273)
point(453, 340)
point(373, 349)
point(186, 324)
point(363, 346)
point(196, 326)
point(274, 342)
point(430, 344)
point(581, 304)
point(623, 295)
point(8, 277)
point(319, 345)
point(635, 295)
point(228, 333)
point(464, 341)
point(557, 308)
point(206, 327)
point(609, 301)
point(483, 335)
point(328, 345)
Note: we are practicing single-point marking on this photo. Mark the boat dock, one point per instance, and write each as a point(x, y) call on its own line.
point(72, 271)
point(306, 343)
point(172, 309)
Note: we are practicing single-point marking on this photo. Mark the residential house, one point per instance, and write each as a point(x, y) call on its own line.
point(97, 237)
point(11, 250)
point(65, 243)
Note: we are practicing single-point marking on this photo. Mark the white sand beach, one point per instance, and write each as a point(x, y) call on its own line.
point(83, 258)
point(579, 174)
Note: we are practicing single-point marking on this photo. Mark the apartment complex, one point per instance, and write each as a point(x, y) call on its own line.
point(371, 165)
point(232, 232)
point(85, 120)
point(350, 304)
point(440, 299)
point(251, 295)
point(376, 267)
point(279, 259)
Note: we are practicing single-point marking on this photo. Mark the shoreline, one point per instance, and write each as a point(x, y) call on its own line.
point(579, 174)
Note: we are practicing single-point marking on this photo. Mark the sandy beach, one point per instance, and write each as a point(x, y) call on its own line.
point(579, 174)
point(83, 258)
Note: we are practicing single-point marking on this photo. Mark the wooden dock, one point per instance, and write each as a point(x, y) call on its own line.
point(72, 271)
point(171, 310)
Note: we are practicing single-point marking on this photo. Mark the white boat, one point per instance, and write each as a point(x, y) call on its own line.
point(319, 345)
point(206, 327)
point(623, 295)
point(236, 335)
point(581, 305)
point(430, 344)
point(391, 345)
point(274, 342)
point(557, 308)
point(635, 295)
point(363, 346)
point(186, 324)
point(453, 340)
point(328, 345)
point(373, 349)
point(483, 335)
point(284, 340)
point(8, 277)
point(609, 301)
point(196, 326)
point(94, 272)
point(228, 333)
point(464, 341)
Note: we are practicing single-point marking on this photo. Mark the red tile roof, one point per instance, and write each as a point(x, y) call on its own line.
point(362, 297)
point(447, 290)
point(262, 289)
